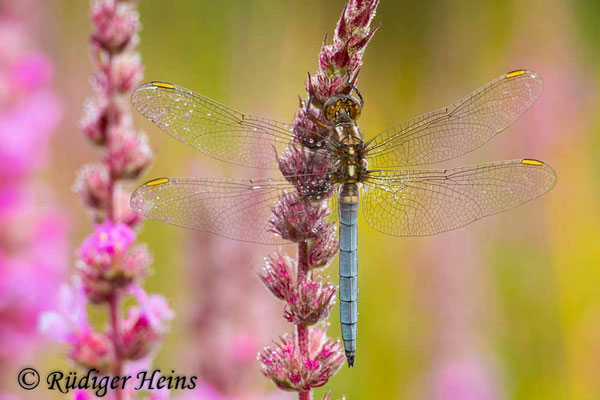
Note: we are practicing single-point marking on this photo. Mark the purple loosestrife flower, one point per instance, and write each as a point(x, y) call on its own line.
point(145, 325)
point(108, 262)
point(128, 154)
point(308, 358)
point(308, 302)
point(93, 186)
point(322, 251)
point(289, 369)
point(311, 303)
point(300, 221)
point(110, 265)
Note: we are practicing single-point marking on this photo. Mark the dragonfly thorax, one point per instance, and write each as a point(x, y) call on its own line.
point(351, 164)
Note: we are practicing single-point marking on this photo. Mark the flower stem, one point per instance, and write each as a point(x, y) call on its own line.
point(116, 337)
point(301, 329)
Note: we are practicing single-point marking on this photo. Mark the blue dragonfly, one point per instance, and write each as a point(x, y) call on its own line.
point(397, 199)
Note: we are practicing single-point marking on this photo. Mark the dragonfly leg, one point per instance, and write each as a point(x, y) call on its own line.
point(312, 117)
point(362, 102)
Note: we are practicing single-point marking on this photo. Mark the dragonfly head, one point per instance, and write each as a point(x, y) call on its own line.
point(343, 108)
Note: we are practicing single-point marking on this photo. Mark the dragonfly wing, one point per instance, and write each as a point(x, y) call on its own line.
point(235, 209)
point(459, 128)
point(429, 201)
point(210, 127)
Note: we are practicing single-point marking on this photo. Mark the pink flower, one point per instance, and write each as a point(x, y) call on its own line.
point(466, 379)
point(323, 250)
point(290, 370)
point(25, 129)
point(308, 171)
point(299, 221)
point(70, 324)
point(95, 120)
point(93, 186)
point(122, 209)
point(107, 245)
point(311, 302)
point(308, 302)
point(128, 153)
point(278, 275)
point(108, 264)
point(32, 72)
point(127, 72)
point(145, 325)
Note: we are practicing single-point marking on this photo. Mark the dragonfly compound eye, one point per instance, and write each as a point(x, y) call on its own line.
point(342, 107)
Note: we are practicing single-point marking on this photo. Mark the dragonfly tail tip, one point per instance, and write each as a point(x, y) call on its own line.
point(350, 359)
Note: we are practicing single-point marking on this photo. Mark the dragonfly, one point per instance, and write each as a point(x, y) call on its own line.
point(377, 174)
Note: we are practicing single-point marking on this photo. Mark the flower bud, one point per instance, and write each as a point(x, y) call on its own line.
point(128, 153)
point(278, 275)
point(116, 25)
point(92, 350)
point(95, 121)
point(322, 250)
point(145, 325)
point(93, 186)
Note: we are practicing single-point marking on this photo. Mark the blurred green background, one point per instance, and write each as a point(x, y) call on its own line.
point(509, 305)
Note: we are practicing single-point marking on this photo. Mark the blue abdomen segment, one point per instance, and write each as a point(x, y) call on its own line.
point(348, 273)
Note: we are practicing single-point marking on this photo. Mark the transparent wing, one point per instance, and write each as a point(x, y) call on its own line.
point(459, 128)
point(235, 209)
point(210, 127)
point(429, 201)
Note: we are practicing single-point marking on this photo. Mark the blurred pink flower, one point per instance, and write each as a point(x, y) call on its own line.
point(116, 27)
point(128, 154)
point(33, 248)
point(25, 129)
point(108, 243)
point(31, 72)
point(69, 324)
point(108, 263)
point(93, 186)
point(463, 380)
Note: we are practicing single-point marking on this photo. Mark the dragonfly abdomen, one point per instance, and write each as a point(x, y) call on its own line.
point(348, 209)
